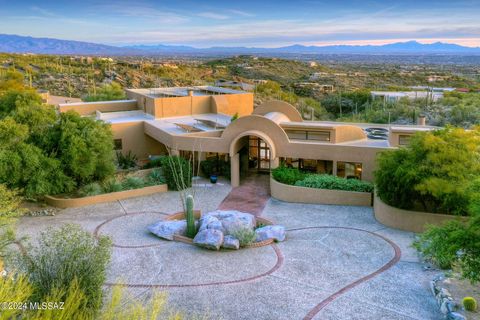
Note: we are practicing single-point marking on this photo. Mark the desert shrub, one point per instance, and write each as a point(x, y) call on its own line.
point(133, 183)
point(63, 255)
point(9, 209)
point(177, 172)
point(215, 166)
point(112, 185)
point(126, 161)
point(470, 304)
point(433, 172)
point(14, 288)
point(325, 181)
point(154, 163)
point(287, 175)
point(155, 177)
point(453, 243)
point(91, 189)
point(244, 235)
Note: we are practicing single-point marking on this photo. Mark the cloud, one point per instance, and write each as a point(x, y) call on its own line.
point(43, 11)
point(213, 15)
point(241, 13)
point(141, 11)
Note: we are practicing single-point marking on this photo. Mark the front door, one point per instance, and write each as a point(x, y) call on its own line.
point(259, 155)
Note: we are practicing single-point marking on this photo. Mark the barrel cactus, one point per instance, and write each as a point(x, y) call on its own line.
point(470, 304)
point(191, 229)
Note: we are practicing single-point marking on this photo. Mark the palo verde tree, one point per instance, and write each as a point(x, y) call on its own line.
point(434, 172)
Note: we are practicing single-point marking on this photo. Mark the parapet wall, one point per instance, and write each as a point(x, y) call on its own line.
point(290, 193)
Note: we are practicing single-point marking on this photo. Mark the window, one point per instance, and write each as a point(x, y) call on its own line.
point(318, 135)
point(309, 165)
point(403, 139)
point(296, 134)
point(349, 170)
point(117, 144)
point(308, 135)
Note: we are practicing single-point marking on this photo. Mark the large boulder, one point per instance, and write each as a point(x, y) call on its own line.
point(209, 238)
point(167, 229)
point(275, 232)
point(210, 222)
point(230, 242)
point(232, 220)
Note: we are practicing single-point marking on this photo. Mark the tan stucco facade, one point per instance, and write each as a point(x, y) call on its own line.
point(161, 120)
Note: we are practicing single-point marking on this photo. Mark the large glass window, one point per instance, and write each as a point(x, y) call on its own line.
point(308, 135)
point(403, 139)
point(309, 165)
point(349, 170)
point(259, 154)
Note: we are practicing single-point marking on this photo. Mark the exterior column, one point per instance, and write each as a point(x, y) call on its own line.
point(334, 168)
point(235, 170)
point(274, 163)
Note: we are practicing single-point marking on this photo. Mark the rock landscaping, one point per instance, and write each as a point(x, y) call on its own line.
point(227, 229)
point(448, 306)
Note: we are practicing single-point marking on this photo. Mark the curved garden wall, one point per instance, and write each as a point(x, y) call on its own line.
point(290, 193)
point(414, 221)
point(101, 198)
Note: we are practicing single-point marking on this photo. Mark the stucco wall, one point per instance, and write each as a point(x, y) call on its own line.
point(289, 193)
point(102, 198)
point(88, 108)
point(413, 221)
point(134, 139)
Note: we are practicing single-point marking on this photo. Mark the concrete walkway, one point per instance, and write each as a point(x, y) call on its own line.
point(337, 262)
point(251, 196)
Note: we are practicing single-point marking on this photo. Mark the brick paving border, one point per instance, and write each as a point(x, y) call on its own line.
point(398, 254)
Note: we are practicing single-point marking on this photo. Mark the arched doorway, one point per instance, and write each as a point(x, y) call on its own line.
point(252, 151)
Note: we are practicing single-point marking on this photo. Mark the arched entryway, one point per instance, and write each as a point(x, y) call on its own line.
point(252, 152)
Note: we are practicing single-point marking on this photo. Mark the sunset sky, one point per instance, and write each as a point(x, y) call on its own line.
point(245, 23)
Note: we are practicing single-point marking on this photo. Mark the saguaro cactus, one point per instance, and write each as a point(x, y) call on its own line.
point(191, 229)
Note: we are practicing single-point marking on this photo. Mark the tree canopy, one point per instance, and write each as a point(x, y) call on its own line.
point(43, 152)
point(433, 173)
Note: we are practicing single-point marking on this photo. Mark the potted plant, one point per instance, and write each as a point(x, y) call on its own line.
point(213, 178)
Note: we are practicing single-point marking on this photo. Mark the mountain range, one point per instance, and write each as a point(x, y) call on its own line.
point(23, 44)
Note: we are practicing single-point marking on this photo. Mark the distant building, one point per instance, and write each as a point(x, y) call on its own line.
point(234, 85)
point(318, 75)
point(393, 96)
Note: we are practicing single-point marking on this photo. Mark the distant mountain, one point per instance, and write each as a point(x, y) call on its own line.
point(21, 44)
point(409, 47)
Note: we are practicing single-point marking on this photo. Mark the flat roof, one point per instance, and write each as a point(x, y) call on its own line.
point(183, 91)
point(178, 125)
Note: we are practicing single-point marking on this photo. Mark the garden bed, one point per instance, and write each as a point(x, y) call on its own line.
point(413, 221)
point(291, 193)
point(197, 214)
point(102, 198)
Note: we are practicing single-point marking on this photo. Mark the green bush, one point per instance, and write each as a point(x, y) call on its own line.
point(112, 185)
point(91, 189)
point(126, 161)
point(155, 177)
point(470, 304)
point(65, 255)
point(454, 243)
point(133, 183)
point(10, 203)
point(287, 175)
point(215, 166)
point(433, 172)
point(154, 163)
point(244, 235)
point(177, 172)
point(325, 181)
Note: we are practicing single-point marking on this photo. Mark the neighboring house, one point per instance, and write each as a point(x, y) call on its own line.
point(392, 96)
point(198, 119)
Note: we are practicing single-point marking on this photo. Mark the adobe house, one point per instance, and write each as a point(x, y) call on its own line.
point(182, 120)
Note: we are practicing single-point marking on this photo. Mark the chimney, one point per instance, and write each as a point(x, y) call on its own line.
point(421, 120)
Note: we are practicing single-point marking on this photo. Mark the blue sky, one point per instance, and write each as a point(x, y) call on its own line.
point(245, 23)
